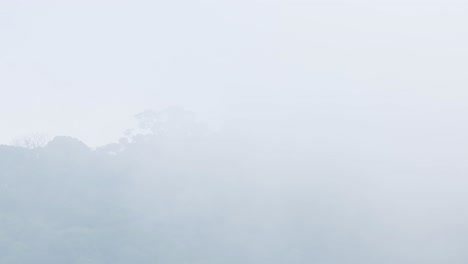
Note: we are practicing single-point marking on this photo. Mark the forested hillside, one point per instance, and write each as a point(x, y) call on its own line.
point(173, 190)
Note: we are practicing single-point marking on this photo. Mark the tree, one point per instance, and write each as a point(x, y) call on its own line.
point(173, 121)
point(32, 141)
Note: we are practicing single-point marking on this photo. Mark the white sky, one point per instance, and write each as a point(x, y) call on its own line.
point(84, 68)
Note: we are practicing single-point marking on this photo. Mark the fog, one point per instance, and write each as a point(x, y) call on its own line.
point(233, 132)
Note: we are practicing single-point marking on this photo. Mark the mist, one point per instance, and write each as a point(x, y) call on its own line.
point(233, 132)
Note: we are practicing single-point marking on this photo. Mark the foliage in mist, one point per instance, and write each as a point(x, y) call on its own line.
point(173, 191)
point(170, 191)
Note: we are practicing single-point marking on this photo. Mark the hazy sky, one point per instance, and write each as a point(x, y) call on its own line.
point(83, 68)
